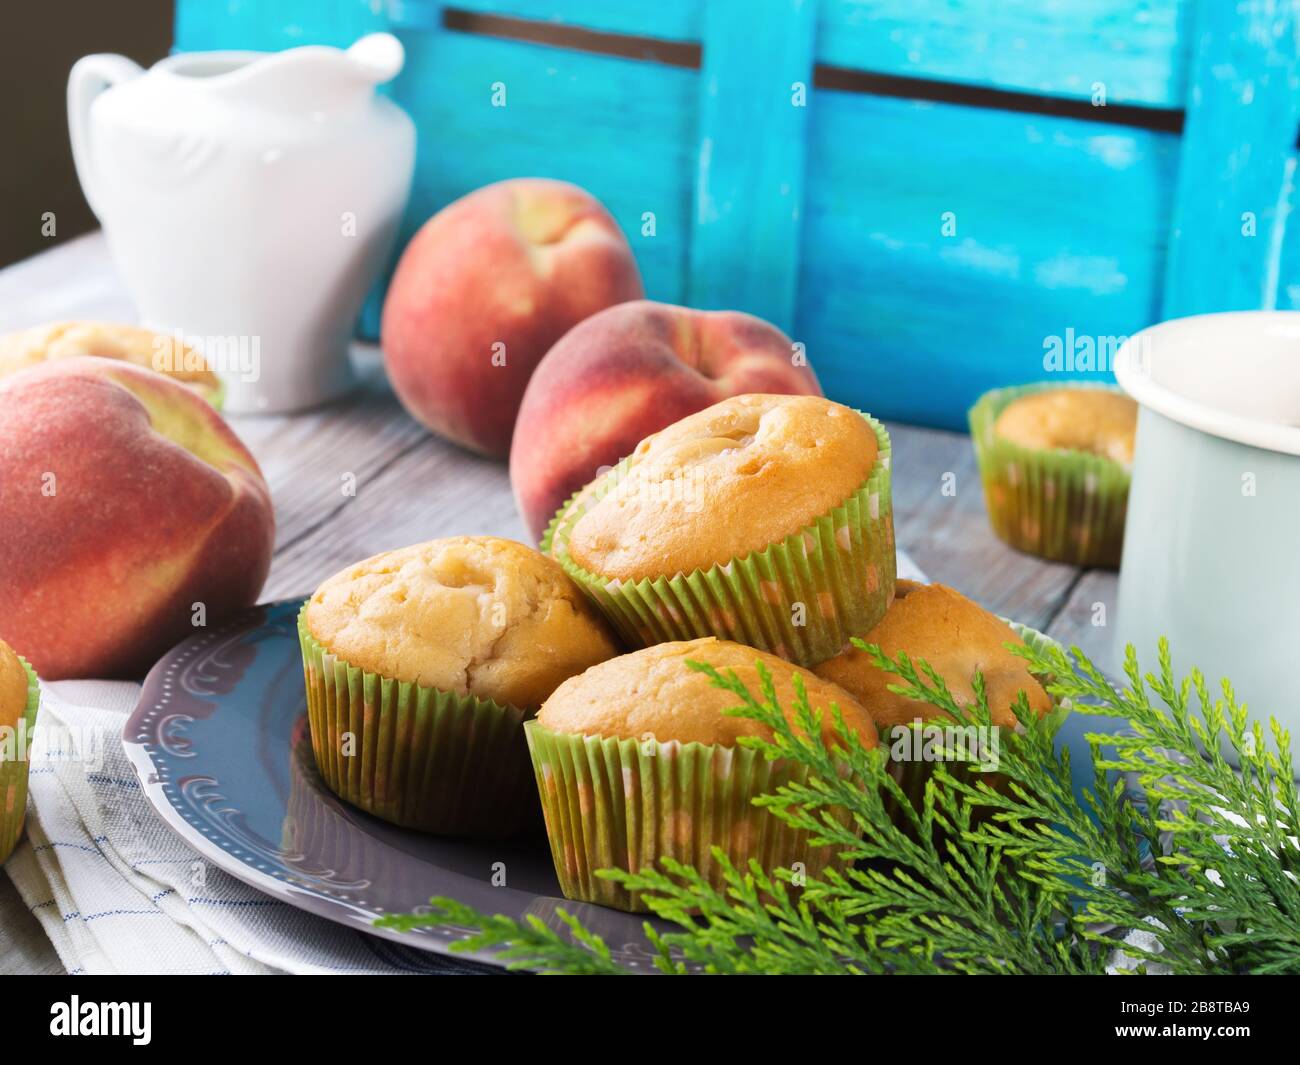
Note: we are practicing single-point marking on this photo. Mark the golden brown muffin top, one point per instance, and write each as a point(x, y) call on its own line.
point(13, 687)
point(109, 340)
point(1095, 420)
point(722, 483)
point(957, 637)
point(652, 693)
point(470, 614)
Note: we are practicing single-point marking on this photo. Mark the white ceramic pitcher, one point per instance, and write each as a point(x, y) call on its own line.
point(249, 200)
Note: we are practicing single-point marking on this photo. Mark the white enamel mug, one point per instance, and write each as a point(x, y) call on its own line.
point(1212, 539)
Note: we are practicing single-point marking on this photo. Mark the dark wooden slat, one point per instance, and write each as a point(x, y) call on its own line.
point(671, 20)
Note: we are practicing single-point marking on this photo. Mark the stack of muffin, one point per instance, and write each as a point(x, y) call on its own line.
point(453, 684)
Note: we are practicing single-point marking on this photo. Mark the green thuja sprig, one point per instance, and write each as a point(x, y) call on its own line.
point(1012, 876)
point(1223, 883)
point(528, 944)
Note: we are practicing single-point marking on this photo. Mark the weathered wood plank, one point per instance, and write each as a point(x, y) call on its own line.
point(429, 490)
point(944, 245)
point(1087, 619)
point(755, 90)
point(949, 535)
point(1236, 183)
point(1133, 48)
point(71, 280)
point(311, 461)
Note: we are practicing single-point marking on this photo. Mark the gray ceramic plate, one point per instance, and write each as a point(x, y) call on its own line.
point(219, 742)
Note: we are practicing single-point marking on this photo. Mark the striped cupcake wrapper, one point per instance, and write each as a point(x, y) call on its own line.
point(414, 755)
point(626, 804)
point(1064, 506)
point(801, 598)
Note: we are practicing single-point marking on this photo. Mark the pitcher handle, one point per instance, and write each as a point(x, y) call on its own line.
point(90, 76)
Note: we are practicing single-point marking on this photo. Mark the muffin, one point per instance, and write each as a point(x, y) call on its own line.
point(958, 638)
point(574, 506)
point(111, 340)
point(19, 695)
point(763, 519)
point(1055, 461)
point(637, 760)
point(422, 663)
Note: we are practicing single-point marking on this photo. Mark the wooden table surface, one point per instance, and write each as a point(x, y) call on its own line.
point(412, 486)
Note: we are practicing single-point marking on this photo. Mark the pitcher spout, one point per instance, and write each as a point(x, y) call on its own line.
point(377, 57)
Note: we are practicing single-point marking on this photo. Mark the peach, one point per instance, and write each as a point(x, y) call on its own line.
point(131, 514)
point(626, 373)
point(482, 292)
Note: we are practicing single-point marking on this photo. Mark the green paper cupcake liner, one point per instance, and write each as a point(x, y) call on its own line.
point(954, 751)
point(414, 755)
point(801, 598)
point(15, 761)
point(1065, 506)
point(614, 803)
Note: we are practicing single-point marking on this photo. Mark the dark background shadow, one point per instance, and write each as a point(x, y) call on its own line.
point(39, 42)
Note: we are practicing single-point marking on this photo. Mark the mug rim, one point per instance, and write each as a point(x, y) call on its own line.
point(1138, 382)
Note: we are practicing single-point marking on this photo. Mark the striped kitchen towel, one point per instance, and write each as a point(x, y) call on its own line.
point(118, 892)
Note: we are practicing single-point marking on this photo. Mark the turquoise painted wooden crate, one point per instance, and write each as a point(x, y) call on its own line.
point(933, 196)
